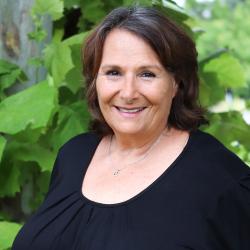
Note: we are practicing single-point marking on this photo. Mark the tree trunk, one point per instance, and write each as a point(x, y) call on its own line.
point(15, 24)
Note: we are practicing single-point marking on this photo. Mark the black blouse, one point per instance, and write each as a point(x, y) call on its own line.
point(201, 202)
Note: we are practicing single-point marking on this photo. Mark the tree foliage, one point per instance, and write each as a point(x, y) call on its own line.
point(36, 121)
point(223, 37)
point(224, 26)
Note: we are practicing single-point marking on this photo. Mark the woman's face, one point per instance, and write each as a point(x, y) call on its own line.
point(134, 90)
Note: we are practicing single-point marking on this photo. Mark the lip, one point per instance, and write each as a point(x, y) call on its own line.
point(130, 112)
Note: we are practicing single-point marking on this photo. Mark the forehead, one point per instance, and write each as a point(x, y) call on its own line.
point(123, 45)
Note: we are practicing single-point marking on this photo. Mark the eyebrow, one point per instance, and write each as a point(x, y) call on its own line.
point(147, 66)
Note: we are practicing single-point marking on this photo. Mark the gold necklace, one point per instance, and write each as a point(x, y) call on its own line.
point(117, 171)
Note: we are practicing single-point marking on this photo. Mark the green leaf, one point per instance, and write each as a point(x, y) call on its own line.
point(9, 178)
point(204, 93)
point(74, 78)
point(6, 80)
point(93, 11)
point(57, 36)
point(175, 13)
point(58, 60)
point(8, 232)
point(209, 83)
point(242, 152)
point(38, 35)
point(10, 73)
point(229, 127)
point(2, 146)
point(228, 70)
point(72, 120)
point(214, 55)
point(29, 135)
point(31, 107)
point(71, 3)
point(24, 152)
point(76, 39)
point(53, 8)
point(6, 67)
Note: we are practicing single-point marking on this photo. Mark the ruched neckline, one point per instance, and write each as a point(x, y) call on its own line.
point(141, 193)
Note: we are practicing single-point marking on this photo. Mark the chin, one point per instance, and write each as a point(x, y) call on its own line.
point(128, 130)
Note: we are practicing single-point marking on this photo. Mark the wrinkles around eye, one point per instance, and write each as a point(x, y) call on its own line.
point(112, 73)
point(116, 75)
point(148, 75)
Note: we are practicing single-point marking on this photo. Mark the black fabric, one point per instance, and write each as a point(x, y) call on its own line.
point(201, 202)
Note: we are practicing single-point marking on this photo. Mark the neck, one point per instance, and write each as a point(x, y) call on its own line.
point(138, 144)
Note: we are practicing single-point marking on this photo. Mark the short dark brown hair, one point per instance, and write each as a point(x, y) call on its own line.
point(176, 52)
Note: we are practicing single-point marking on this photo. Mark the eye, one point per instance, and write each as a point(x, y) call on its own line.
point(113, 74)
point(147, 74)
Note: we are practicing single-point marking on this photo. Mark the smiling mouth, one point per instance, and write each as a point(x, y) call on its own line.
point(130, 110)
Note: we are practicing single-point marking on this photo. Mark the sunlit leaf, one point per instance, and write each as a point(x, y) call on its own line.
point(175, 13)
point(8, 232)
point(31, 107)
point(53, 8)
point(76, 39)
point(229, 127)
point(228, 70)
point(58, 60)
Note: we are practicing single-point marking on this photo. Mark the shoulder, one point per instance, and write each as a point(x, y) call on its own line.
point(77, 150)
point(73, 154)
point(213, 155)
point(83, 141)
point(221, 176)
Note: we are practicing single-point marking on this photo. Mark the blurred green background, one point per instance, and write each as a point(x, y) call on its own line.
point(42, 91)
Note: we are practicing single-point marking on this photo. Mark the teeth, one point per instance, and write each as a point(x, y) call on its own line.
point(130, 110)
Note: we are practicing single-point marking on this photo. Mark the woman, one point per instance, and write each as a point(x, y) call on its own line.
point(145, 178)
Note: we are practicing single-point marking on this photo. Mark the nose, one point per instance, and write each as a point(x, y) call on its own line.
point(129, 89)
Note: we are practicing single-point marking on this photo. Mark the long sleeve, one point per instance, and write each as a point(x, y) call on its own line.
point(230, 219)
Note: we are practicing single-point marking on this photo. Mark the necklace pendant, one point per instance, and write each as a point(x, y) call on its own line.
point(117, 172)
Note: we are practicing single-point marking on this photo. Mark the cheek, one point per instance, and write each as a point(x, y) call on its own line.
point(105, 97)
point(102, 93)
point(105, 91)
point(162, 95)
